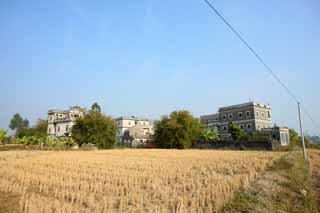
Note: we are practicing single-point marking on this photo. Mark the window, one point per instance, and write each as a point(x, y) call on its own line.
point(58, 129)
point(257, 114)
point(248, 113)
point(49, 130)
point(258, 126)
point(67, 128)
point(129, 123)
point(230, 116)
point(224, 117)
point(262, 114)
point(224, 128)
point(269, 115)
point(248, 126)
point(241, 126)
point(240, 114)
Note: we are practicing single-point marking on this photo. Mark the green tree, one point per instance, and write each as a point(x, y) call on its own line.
point(236, 132)
point(177, 131)
point(210, 134)
point(3, 134)
point(294, 138)
point(95, 107)
point(40, 129)
point(95, 128)
point(18, 124)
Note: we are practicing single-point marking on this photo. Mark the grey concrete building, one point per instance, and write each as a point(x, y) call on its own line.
point(249, 116)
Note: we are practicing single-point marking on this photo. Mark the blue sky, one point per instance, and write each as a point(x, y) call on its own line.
point(150, 57)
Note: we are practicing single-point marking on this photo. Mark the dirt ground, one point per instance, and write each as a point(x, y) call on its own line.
point(286, 187)
point(314, 156)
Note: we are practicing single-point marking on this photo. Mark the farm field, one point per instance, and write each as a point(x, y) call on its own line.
point(131, 180)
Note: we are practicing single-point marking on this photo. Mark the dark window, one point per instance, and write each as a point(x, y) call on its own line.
point(269, 115)
point(248, 114)
point(240, 114)
point(248, 126)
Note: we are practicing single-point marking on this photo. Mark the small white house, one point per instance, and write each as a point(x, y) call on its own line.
point(134, 131)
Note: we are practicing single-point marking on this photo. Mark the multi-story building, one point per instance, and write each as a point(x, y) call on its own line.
point(134, 131)
point(60, 122)
point(249, 116)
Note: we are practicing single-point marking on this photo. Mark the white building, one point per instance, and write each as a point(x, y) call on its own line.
point(60, 122)
point(134, 131)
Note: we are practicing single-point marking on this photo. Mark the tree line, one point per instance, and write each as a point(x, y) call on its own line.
point(179, 129)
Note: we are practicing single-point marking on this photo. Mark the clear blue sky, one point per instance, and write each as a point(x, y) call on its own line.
point(149, 57)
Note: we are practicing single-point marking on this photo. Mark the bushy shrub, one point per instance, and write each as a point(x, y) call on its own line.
point(95, 128)
point(177, 130)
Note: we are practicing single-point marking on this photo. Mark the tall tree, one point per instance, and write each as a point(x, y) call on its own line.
point(95, 128)
point(294, 138)
point(40, 129)
point(95, 107)
point(236, 132)
point(177, 130)
point(17, 123)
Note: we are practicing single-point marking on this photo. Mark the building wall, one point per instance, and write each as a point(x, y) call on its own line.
point(249, 116)
point(281, 134)
point(60, 122)
point(132, 126)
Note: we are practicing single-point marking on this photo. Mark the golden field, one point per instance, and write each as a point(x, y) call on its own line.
point(127, 180)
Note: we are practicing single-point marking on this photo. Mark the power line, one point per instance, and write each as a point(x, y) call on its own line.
point(252, 50)
point(268, 68)
point(310, 117)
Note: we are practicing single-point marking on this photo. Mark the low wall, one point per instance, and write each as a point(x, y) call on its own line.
point(239, 145)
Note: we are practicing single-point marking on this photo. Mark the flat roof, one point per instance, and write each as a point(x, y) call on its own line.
point(245, 105)
point(132, 118)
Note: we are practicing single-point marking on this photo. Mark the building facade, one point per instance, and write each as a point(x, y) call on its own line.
point(133, 131)
point(250, 117)
point(60, 122)
point(280, 134)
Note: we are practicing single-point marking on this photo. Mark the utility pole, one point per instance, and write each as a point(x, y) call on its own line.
point(301, 133)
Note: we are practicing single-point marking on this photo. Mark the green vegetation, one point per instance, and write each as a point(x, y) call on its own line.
point(38, 130)
point(286, 187)
point(95, 107)
point(237, 133)
point(178, 130)
point(18, 124)
point(3, 134)
point(211, 134)
point(95, 128)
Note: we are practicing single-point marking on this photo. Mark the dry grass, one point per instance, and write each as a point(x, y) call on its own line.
point(128, 180)
point(314, 160)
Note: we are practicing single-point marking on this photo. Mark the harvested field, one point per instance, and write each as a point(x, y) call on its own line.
point(127, 180)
